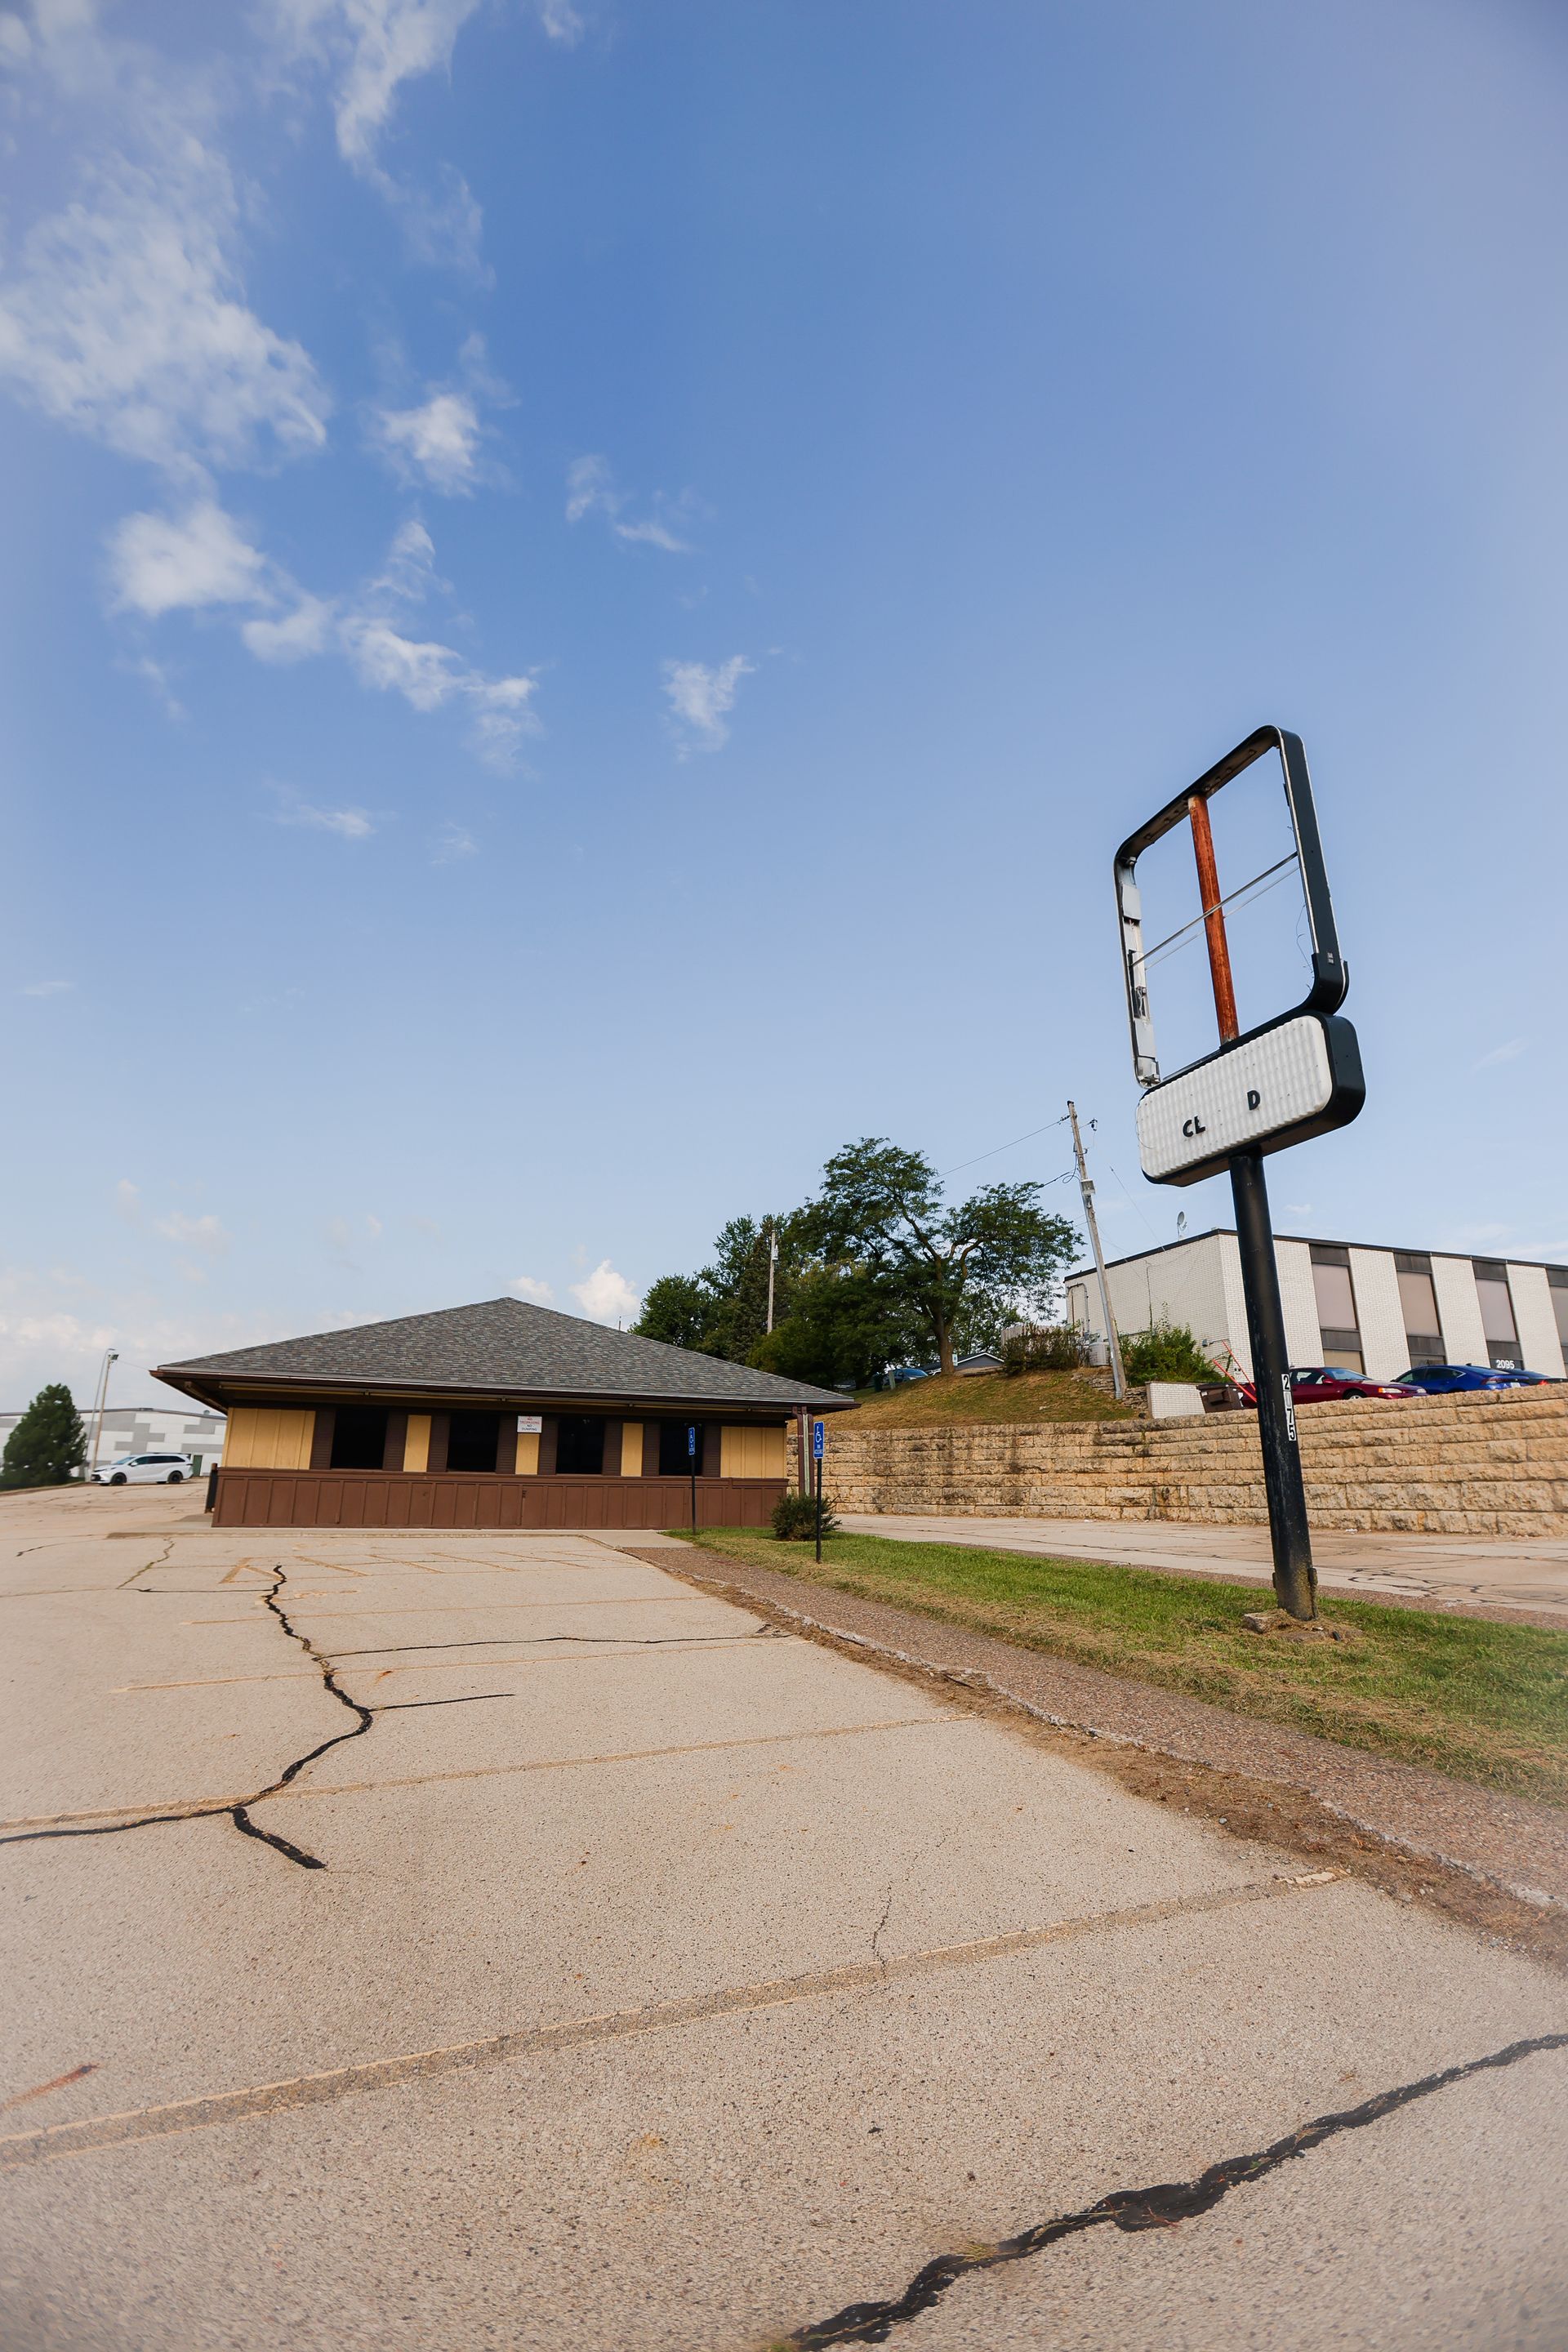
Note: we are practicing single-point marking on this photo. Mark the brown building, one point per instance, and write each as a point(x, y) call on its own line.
point(498, 1416)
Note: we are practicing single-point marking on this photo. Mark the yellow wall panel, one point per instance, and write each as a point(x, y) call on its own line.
point(752, 1452)
point(269, 1437)
point(631, 1449)
point(416, 1444)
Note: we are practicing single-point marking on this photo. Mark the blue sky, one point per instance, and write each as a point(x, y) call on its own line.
point(590, 588)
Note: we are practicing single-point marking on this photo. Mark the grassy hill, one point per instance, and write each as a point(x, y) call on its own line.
point(949, 1397)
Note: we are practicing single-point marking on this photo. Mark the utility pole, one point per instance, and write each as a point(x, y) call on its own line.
point(773, 1261)
point(110, 1356)
point(1086, 1186)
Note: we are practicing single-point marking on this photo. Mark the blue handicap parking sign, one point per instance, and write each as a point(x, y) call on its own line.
point(818, 1437)
point(691, 1441)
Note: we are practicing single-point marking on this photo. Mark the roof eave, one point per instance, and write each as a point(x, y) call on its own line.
point(218, 1390)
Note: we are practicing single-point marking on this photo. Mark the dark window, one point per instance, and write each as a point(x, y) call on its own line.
point(675, 1460)
point(1338, 1322)
point(1418, 1301)
point(472, 1439)
point(579, 1444)
point(1497, 1314)
point(1557, 1281)
point(359, 1438)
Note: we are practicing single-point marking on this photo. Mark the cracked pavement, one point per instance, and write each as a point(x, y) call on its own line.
point(662, 1982)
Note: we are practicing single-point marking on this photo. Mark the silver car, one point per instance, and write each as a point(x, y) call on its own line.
point(144, 1470)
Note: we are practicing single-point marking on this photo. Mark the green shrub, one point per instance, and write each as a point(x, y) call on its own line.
point(1044, 1347)
point(1167, 1351)
point(794, 1519)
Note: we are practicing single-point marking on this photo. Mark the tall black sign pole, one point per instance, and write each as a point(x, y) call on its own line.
point(1295, 1579)
point(691, 1461)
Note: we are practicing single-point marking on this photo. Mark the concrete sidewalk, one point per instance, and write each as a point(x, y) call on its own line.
point(1438, 1572)
point(619, 1972)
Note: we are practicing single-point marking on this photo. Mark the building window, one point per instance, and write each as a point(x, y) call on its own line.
point(1337, 1325)
point(579, 1444)
point(674, 1460)
point(1497, 1314)
point(1557, 1283)
point(359, 1438)
point(1422, 1330)
point(472, 1439)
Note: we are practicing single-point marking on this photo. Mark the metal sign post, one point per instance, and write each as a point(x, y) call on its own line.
point(691, 1461)
point(1293, 1077)
point(818, 1439)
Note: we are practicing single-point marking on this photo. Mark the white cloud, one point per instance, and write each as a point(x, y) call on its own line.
point(525, 1286)
point(157, 677)
point(47, 987)
point(561, 22)
point(376, 45)
point(437, 443)
point(700, 699)
point(1508, 1053)
point(306, 630)
point(454, 844)
point(126, 321)
point(159, 563)
point(203, 1233)
point(591, 489)
point(607, 1296)
point(348, 823)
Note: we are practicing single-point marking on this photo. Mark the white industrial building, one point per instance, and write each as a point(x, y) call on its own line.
point(1369, 1310)
point(147, 1429)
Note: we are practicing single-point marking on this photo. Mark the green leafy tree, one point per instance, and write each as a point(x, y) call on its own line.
point(676, 1308)
point(843, 1326)
point(957, 1270)
point(47, 1444)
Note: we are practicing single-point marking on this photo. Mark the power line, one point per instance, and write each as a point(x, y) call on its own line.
point(943, 1173)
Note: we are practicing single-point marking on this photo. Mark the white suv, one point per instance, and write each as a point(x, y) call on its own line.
point(144, 1470)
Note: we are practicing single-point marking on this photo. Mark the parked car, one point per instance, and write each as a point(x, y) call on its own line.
point(896, 1374)
point(144, 1470)
point(1323, 1384)
point(1450, 1379)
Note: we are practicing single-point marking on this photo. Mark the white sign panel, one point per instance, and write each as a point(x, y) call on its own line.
point(530, 1424)
point(1281, 1079)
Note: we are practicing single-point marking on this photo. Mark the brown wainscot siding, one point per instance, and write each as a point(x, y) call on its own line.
point(382, 1499)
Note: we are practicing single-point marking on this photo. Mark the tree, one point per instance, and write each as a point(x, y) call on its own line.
point(993, 1257)
point(843, 1326)
point(676, 1308)
point(723, 1310)
point(47, 1444)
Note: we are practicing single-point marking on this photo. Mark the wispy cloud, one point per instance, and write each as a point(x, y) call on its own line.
point(126, 319)
point(200, 559)
point(607, 1296)
point(47, 987)
point(437, 442)
point(348, 823)
point(562, 21)
point(162, 563)
point(205, 1233)
point(372, 47)
point(525, 1286)
point(591, 489)
point(700, 699)
point(128, 1201)
point(1511, 1052)
point(454, 844)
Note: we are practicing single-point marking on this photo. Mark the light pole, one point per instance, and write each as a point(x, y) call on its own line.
point(773, 1261)
point(110, 1356)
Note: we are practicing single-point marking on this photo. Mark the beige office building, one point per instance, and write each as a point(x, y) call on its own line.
point(1370, 1309)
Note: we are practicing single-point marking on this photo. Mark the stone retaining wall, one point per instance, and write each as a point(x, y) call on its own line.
point(1476, 1465)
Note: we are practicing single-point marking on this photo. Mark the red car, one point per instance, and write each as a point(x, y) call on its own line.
point(1326, 1383)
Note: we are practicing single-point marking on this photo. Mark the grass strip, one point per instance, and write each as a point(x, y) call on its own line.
point(1483, 1701)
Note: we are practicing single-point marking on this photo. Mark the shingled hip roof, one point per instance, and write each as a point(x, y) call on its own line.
point(501, 1344)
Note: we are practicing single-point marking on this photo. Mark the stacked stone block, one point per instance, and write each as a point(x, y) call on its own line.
point(1476, 1465)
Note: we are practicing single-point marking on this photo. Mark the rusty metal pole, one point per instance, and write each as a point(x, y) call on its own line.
point(1290, 1534)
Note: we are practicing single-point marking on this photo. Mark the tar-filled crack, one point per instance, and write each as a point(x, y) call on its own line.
point(239, 1815)
point(1157, 2208)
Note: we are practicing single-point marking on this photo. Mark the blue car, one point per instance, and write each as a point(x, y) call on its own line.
point(1449, 1379)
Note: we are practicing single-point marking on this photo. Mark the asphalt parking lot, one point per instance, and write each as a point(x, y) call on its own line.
point(622, 1971)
